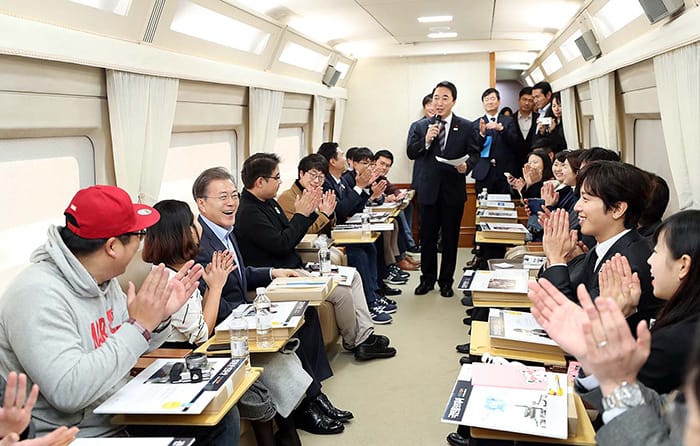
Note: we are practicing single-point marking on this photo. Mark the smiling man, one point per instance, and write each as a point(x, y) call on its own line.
point(443, 191)
point(612, 197)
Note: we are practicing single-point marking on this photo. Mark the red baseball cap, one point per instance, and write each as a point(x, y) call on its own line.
point(107, 211)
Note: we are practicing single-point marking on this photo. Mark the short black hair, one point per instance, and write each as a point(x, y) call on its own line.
point(449, 85)
point(615, 182)
point(488, 91)
point(360, 154)
point(599, 154)
point(350, 153)
point(524, 91)
point(313, 162)
point(384, 153)
point(258, 165)
point(544, 86)
point(505, 110)
point(659, 196)
point(84, 246)
point(546, 163)
point(427, 99)
point(574, 159)
point(329, 150)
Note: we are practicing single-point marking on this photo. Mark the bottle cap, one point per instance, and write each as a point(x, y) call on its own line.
point(260, 290)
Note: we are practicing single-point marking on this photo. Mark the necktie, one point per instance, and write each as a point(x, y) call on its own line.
point(592, 259)
point(441, 136)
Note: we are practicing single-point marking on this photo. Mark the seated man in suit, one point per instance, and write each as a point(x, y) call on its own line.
point(612, 197)
point(363, 256)
point(217, 199)
point(443, 189)
point(267, 237)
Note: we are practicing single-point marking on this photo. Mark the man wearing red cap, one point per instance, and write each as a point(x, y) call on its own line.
point(66, 323)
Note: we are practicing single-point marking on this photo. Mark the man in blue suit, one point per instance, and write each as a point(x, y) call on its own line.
point(443, 190)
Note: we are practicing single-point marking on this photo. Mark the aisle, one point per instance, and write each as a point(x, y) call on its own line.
point(399, 401)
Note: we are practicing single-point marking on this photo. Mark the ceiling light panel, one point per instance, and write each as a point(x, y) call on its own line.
point(202, 23)
point(442, 35)
point(435, 19)
point(302, 57)
point(120, 7)
point(616, 14)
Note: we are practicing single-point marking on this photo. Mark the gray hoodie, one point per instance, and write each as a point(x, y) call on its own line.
point(68, 335)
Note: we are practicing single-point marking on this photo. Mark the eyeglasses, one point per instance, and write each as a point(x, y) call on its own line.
point(140, 234)
point(276, 177)
point(317, 177)
point(233, 196)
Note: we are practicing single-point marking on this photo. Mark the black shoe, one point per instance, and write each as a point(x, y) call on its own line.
point(423, 288)
point(454, 439)
point(467, 321)
point(331, 411)
point(381, 339)
point(310, 417)
point(446, 291)
point(465, 360)
point(467, 301)
point(463, 348)
point(389, 291)
point(374, 349)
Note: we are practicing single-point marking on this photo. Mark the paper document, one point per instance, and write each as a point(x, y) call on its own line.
point(133, 441)
point(454, 162)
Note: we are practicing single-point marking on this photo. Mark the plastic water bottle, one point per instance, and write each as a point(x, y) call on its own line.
point(238, 333)
point(263, 319)
point(324, 257)
point(366, 226)
point(483, 197)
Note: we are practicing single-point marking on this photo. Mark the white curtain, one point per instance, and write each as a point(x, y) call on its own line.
point(568, 114)
point(338, 116)
point(319, 113)
point(264, 114)
point(141, 113)
point(678, 86)
point(605, 110)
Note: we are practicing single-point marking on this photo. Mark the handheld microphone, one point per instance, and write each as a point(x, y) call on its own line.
point(437, 119)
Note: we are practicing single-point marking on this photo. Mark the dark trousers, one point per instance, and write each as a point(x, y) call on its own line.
point(363, 257)
point(312, 352)
point(436, 218)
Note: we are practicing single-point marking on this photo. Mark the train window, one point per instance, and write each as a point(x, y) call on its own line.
point(302, 57)
point(290, 148)
point(189, 155)
point(569, 49)
point(650, 154)
point(29, 167)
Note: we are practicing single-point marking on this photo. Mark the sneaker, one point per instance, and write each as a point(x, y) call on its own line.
point(387, 300)
point(388, 307)
point(378, 316)
point(398, 271)
point(389, 291)
point(394, 279)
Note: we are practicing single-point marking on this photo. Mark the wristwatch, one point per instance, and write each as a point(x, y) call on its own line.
point(624, 396)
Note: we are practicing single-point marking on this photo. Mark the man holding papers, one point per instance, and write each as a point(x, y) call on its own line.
point(67, 325)
point(443, 191)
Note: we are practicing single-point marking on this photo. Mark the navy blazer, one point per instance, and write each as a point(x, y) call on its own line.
point(349, 202)
point(234, 291)
point(504, 146)
point(441, 183)
point(418, 163)
point(631, 245)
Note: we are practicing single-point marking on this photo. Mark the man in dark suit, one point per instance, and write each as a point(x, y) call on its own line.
point(443, 191)
point(526, 121)
point(217, 199)
point(428, 113)
point(613, 195)
point(499, 152)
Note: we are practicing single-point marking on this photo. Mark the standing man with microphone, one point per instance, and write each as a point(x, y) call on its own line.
point(443, 191)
